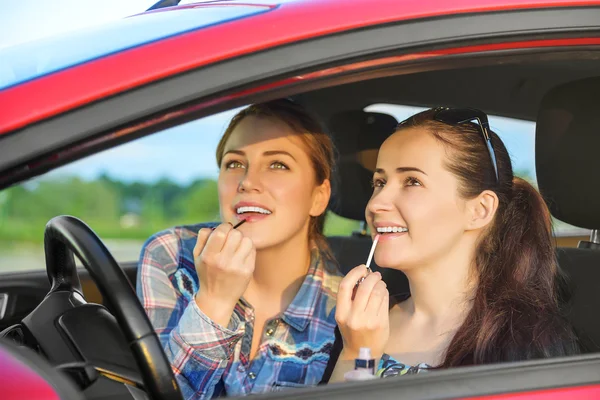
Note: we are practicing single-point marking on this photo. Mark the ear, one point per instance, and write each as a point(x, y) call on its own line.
point(481, 210)
point(320, 200)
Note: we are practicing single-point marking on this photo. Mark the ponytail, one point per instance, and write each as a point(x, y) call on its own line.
point(515, 314)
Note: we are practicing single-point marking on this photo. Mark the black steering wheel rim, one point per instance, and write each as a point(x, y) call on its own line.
point(66, 236)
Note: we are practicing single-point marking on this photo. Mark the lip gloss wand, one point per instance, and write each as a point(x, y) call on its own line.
point(368, 264)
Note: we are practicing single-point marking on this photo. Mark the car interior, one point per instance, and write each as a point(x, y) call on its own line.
point(557, 90)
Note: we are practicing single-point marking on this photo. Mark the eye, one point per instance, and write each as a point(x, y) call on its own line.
point(278, 165)
point(412, 181)
point(378, 183)
point(233, 165)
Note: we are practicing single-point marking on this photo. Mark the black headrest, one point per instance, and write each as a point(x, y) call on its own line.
point(351, 191)
point(356, 131)
point(567, 147)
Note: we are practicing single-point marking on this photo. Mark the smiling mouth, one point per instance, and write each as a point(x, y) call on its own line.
point(252, 210)
point(391, 229)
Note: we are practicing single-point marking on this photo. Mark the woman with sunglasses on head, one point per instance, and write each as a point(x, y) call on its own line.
point(475, 243)
point(246, 309)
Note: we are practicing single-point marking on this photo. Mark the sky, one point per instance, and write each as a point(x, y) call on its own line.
point(185, 152)
point(26, 20)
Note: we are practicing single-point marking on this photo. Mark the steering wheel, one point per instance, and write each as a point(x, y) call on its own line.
point(86, 338)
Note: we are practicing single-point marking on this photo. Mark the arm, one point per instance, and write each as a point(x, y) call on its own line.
point(198, 348)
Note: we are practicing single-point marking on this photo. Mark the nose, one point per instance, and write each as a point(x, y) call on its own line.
point(250, 181)
point(381, 201)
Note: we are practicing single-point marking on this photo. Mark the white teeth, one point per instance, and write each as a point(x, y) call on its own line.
point(242, 210)
point(388, 229)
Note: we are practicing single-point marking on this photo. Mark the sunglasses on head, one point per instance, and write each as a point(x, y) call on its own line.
point(457, 116)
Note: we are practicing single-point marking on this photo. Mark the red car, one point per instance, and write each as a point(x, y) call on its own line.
point(72, 332)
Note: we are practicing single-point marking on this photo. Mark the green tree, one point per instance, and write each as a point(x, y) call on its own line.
point(201, 203)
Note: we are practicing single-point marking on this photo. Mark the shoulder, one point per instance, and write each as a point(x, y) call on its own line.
point(330, 278)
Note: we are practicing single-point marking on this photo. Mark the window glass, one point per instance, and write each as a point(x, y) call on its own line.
point(130, 192)
point(124, 194)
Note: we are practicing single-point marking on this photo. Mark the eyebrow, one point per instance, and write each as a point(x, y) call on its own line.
point(266, 153)
point(400, 170)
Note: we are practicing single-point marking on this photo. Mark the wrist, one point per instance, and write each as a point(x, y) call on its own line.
point(351, 354)
point(219, 311)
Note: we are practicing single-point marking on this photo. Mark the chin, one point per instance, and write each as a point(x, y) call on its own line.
point(392, 261)
point(387, 260)
point(262, 237)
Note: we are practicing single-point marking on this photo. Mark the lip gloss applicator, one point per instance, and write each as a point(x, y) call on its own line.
point(239, 224)
point(370, 258)
point(368, 264)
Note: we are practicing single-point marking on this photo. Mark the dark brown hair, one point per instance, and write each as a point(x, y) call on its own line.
point(319, 147)
point(515, 312)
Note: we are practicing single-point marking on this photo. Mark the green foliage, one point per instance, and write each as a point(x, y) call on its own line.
point(116, 209)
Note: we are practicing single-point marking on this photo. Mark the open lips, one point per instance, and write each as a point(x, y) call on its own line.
point(251, 213)
point(391, 229)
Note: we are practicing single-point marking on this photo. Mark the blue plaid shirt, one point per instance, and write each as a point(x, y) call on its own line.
point(210, 360)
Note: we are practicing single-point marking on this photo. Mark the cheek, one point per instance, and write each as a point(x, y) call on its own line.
point(227, 187)
point(440, 220)
point(291, 192)
point(427, 212)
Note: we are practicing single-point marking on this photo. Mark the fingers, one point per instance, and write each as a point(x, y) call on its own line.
point(376, 298)
point(243, 258)
point(216, 240)
point(346, 305)
point(344, 296)
point(365, 290)
point(203, 235)
point(232, 242)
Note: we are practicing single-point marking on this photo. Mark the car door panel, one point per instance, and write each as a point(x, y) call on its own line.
point(21, 292)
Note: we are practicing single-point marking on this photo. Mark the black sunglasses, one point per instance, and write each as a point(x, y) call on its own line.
point(457, 116)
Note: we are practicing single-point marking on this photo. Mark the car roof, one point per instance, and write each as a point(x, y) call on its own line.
point(154, 45)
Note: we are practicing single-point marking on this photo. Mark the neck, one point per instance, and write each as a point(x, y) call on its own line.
point(441, 290)
point(279, 273)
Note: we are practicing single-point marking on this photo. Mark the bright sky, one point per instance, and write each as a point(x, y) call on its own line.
point(185, 152)
point(25, 20)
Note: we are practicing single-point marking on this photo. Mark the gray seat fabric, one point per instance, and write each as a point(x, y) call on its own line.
point(567, 146)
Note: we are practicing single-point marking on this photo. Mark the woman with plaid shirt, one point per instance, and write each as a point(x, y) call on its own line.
point(251, 310)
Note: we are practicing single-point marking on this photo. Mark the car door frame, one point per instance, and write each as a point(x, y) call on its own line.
point(45, 145)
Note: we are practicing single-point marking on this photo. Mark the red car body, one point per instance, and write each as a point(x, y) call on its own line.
point(274, 24)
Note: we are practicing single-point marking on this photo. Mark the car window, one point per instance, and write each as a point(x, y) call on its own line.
point(130, 192)
point(124, 194)
point(519, 138)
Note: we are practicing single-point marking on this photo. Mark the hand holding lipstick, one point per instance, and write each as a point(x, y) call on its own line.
point(224, 261)
point(364, 321)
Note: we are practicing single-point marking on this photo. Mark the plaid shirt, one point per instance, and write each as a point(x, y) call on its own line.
point(210, 360)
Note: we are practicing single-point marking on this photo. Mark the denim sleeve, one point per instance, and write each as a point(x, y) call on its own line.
point(198, 348)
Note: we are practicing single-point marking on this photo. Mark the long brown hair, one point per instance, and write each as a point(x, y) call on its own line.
point(319, 148)
point(515, 312)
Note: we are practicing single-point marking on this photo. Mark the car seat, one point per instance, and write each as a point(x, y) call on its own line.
point(567, 146)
